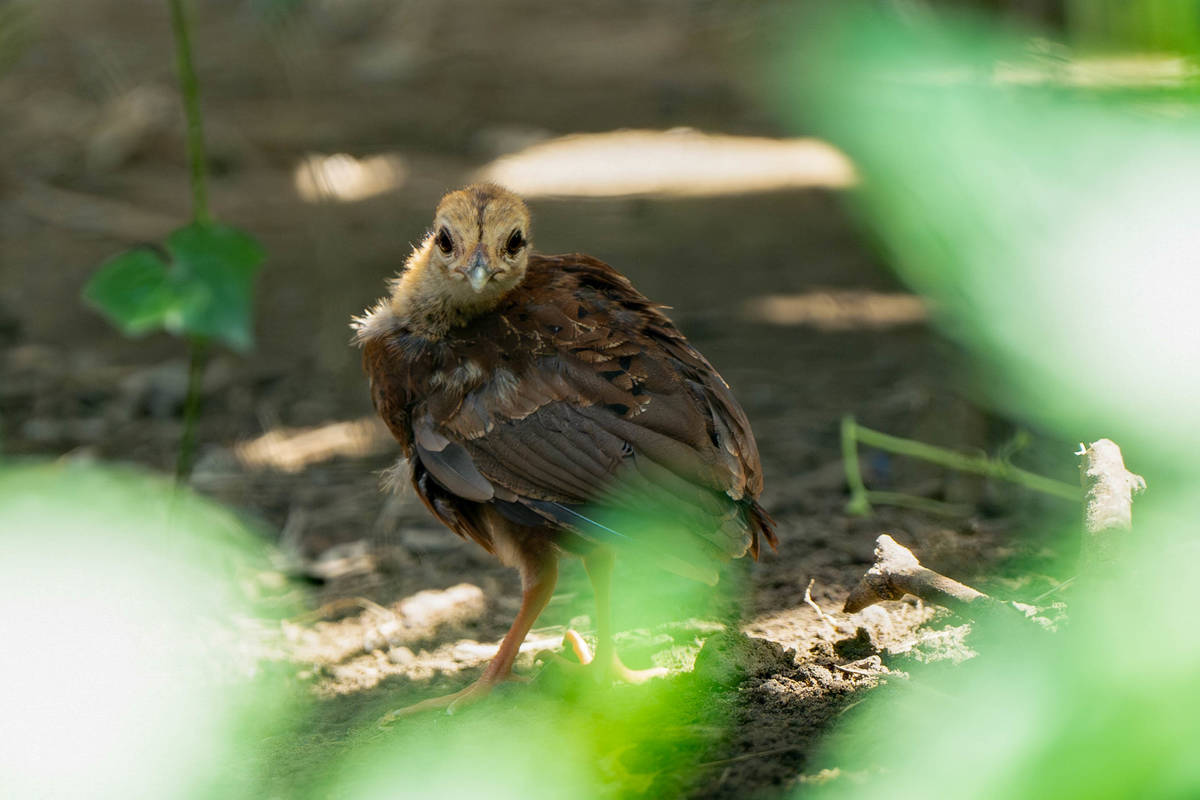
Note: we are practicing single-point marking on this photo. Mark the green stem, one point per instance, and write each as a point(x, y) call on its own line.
point(859, 503)
point(860, 497)
point(189, 87)
point(919, 503)
point(979, 464)
point(191, 409)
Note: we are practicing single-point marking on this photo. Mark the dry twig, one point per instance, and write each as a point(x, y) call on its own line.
point(897, 572)
point(808, 599)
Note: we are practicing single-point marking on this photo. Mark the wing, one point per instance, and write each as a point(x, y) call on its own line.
point(592, 411)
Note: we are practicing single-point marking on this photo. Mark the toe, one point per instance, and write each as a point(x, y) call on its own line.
point(432, 704)
point(582, 651)
point(452, 703)
point(624, 673)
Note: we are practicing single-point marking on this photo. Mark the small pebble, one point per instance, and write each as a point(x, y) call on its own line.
point(391, 630)
point(401, 656)
point(373, 640)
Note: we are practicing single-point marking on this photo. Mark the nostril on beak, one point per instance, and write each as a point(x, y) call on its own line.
point(477, 271)
point(477, 261)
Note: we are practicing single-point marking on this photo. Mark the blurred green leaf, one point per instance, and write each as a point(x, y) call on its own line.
point(206, 290)
point(1047, 207)
point(131, 599)
point(1168, 25)
point(133, 290)
point(215, 267)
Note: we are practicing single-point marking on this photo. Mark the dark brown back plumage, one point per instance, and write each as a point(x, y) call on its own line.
point(576, 406)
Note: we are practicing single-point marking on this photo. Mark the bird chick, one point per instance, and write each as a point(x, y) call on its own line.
point(546, 406)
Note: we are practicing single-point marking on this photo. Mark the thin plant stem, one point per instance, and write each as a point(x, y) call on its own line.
point(918, 503)
point(860, 497)
point(189, 88)
point(979, 464)
point(859, 502)
point(191, 409)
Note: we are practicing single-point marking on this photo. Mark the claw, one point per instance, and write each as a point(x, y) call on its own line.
point(582, 651)
point(606, 668)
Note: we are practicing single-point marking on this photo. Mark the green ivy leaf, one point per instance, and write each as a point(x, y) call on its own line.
point(133, 290)
point(214, 270)
point(206, 290)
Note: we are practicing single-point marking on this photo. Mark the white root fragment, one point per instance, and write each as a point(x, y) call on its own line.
point(1108, 502)
point(808, 599)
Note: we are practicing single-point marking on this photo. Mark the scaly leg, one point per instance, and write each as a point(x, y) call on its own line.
point(539, 574)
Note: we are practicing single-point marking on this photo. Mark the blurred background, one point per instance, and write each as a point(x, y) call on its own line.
point(788, 180)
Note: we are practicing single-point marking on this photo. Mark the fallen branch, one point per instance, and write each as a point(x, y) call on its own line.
point(897, 572)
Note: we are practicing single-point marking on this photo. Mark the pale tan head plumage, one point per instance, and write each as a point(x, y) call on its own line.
point(481, 239)
point(476, 252)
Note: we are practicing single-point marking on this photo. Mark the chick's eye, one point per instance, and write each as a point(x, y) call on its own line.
point(515, 242)
point(444, 242)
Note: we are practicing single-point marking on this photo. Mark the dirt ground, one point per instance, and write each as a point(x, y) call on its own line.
point(401, 609)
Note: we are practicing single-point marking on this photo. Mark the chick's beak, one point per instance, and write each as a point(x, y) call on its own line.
point(477, 272)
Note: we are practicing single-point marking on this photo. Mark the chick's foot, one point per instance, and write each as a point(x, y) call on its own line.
point(602, 666)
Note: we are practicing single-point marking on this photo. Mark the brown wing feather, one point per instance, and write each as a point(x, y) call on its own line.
point(578, 391)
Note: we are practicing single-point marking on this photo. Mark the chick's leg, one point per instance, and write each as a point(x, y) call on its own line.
point(539, 574)
point(599, 566)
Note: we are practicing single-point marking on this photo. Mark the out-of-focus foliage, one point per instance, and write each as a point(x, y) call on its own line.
point(1051, 222)
point(1106, 708)
point(153, 593)
point(562, 736)
point(205, 290)
point(1048, 207)
point(122, 674)
point(1137, 24)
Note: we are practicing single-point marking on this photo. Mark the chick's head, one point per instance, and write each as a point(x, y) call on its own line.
point(480, 242)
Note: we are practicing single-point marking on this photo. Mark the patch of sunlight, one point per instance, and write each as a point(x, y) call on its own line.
point(414, 638)
point(293, 449)
point(342, 178)
point(838, 309)
point(364, 671)
point(675, 162)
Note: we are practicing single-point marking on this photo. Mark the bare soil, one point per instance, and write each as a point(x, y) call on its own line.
point(447, 85)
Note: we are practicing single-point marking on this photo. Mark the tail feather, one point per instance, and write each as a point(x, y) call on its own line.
point(760, 523)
